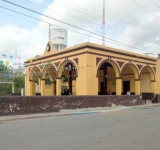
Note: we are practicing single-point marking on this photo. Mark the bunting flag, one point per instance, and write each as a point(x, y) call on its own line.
point(7, 63)
point(4, 55)
point(11, 57)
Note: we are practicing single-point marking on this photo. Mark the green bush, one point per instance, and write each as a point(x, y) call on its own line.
point(5, 89)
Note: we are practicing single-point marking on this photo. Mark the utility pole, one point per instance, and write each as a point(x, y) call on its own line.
point(103, 24)
point(15, 58)
point(147, 53)
point(49, 31)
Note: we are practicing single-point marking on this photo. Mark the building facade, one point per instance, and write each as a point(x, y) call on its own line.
point(91, 69)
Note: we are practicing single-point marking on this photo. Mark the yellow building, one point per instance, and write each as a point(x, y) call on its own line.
point(91, 69)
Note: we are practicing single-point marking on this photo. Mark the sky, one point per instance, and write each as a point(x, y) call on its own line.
point(130, 25)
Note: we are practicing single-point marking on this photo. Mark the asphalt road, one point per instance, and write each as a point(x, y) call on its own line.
point(137, 129)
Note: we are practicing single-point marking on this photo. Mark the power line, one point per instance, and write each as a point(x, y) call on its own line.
point(89, 18)
point(70, 25)
point(94, 23)
point(154, 3)
point(89, 32)
point(50, 17)
point(60, 12)
point(98, 16)
point(17, 17)
point(145, 9)
point(50, 23)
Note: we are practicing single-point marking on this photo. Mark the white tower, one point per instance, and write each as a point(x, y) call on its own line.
point(59, 38)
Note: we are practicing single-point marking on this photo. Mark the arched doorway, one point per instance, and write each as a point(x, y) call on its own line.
point(34, 76)
point(48, 80)
point(107, 73)
point(147, 77)
point(67, 74)
point(130, 79)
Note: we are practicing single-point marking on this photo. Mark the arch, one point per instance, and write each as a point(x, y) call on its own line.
point(113, 63)
point(133, 67)
point(35, 68)
point(61, 66)
point(48, 65)
point(52, 74)
point(151, 71)
point(32, 70)
point(54, 66)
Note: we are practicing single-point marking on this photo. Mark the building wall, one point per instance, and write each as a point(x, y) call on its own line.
point(92, 80)
point(157, 83)
point(48, 90)
point(87, 65)
point(81, 80)
point(145, 83)
point(74, 87)
point(27, 83)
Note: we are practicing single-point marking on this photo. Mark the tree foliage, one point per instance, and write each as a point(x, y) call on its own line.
point(5, 89)
point(10, 74)
point(19, 83)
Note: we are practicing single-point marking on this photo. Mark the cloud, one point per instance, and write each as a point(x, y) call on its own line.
point(27, 43)
point(134, 26)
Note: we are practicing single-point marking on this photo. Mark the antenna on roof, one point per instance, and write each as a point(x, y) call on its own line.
point(147, 53)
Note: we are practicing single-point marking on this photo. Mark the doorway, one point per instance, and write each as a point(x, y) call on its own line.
point(126, 87)
point(102, 88)
point(105, 72)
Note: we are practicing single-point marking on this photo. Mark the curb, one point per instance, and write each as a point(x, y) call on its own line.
point(34, 116)
point(143, 106)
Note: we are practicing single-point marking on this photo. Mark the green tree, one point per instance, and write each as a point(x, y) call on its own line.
point(5, 89)
point(18, 83)
point(11, 75)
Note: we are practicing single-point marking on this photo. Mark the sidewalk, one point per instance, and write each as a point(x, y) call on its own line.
point(74, 112)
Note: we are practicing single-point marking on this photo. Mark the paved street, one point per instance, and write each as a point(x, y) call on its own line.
point(137, 129)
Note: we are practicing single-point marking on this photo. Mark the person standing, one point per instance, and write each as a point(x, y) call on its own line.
point(109, 92)
point(128, 92)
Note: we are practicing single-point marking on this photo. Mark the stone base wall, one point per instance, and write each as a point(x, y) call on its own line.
point(156, 99)
point(14, 105)
point(147, 96)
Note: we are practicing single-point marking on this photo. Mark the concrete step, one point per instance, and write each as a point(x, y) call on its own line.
point(148, 102)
